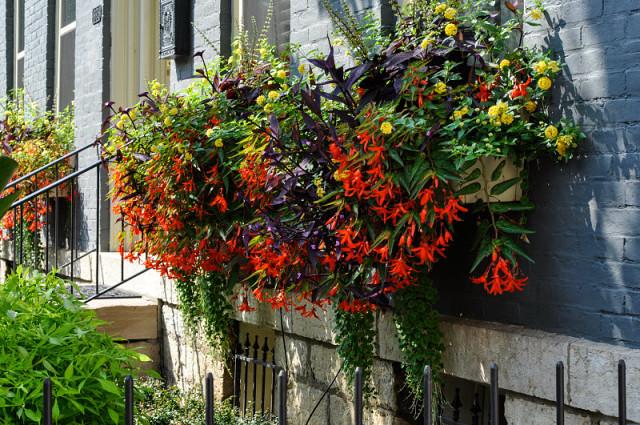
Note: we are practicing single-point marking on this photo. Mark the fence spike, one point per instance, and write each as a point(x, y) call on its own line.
point(209, 412)
point(560, 393)
point(282, 384)
point(427, 392)
point(622, 393)
point(476, 410)
point(358, 401)
point(47, 402)
point(495, 400)
point(128, 400)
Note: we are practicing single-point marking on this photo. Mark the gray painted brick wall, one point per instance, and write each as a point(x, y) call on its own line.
point(6, 48)
point(93, 44)
point(586, 280)
point(39, 56)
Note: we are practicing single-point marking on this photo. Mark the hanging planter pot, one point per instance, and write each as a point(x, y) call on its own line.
point(491, 179)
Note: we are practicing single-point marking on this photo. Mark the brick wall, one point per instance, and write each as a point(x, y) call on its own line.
point(586, 280)
point(93, 47)
point(39, 51)
point(6, 49)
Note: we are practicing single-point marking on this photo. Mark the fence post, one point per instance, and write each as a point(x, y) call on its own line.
point(47, 402)
point(358, 382)
point(282, 387)
point(622, 393)
point(427, 392)
point(128, 400)
point(495, 400)
point(560, 393)
point(209, 419)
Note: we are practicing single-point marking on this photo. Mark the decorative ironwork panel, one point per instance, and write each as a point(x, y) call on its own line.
point(175, 28)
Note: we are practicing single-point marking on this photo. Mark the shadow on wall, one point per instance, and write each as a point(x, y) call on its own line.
point(586, 280)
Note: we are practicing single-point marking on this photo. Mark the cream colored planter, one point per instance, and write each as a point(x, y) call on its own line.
point(487, 165)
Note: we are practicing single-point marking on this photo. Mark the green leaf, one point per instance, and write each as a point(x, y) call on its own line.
point(504, 207)
point(394, 155)
point(68, 373)
point(508, 243)
point(469, 189)
point(486, 248)
point(109, 386)
point(115, 418)
point(7, 167)
point(508, 227)
point(500, 188)
point(35, 416)
point(6, 202)
point(473, 175)
point(497, 173)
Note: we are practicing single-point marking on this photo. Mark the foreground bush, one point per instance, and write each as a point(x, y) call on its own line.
point(171, 406)
point(45, 332)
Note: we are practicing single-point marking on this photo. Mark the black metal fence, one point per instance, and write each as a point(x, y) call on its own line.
point(428, 417)
point(254, 377)
point(52, 209)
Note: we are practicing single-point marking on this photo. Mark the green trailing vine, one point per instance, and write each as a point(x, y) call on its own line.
point(206, 307)
point(356, 335)
point(419, 335)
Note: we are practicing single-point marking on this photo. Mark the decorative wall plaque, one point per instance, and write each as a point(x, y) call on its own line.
point(96, 15)
point(175, 28)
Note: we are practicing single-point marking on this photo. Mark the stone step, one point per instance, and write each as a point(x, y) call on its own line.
point(134, 319)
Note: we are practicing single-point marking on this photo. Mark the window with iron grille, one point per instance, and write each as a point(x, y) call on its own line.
point(250, 15)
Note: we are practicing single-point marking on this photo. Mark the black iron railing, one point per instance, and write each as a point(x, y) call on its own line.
point(254, 378)
point(428, 418)
point(50, 212)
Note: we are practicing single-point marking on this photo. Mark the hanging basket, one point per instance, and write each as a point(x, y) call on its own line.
point(498, 181)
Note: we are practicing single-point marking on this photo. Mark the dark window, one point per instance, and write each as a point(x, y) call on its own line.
point(255, 13)
point(66, 68)
point(67, 12)
point(20, 25)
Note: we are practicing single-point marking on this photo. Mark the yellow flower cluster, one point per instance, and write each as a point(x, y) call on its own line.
point(543, 66)
point(535, 14)
point(451, 30)
point(386, 128)
point(281, 74)
point(450, 13)
point(218, 143)
point(460, 113)
point(499, 114)
point(440, 8)
point(531, 106)
point(440, 87)
point(551, 132)
point(426, 43)
point(563, 143)
point(317, 182)
point(545, 83)
point(505, 63)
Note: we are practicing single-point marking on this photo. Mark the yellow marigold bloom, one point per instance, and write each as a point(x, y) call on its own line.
point(120, 124)
point(540, 67)
point(188, 156)
point(174, 111)
point(167, 121)
point(451, 30)
point(531, 106)
point(263, 52)
point(493, 111)
point(218, 143)
point(440, 8)
point(450, 13)
point(440, 87)
point(426, 43)
point(281, 74)
point(386, 128)
point(551, 132)
point(268, 108)
point(504, 63)
point(506, 118)
point(536, 14)
point(209, 132)
point(302, 69)
point(260, 100)
point(460, 113)
point(545, 83)
point(273, 95)
point(553, 66)
point(563, 143)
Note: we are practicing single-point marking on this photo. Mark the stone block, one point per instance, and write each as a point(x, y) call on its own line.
point(593, 378)
point(325, 364)
point(301, 400)
point(524, 411)
point(297, 354)
point(387, 338)
point(471, 348)
point(131, 319)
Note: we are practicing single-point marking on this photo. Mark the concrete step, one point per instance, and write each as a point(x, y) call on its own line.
point(134, 319)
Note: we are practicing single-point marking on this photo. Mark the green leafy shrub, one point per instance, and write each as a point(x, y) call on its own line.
point(45, 332)
point(171, 406)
